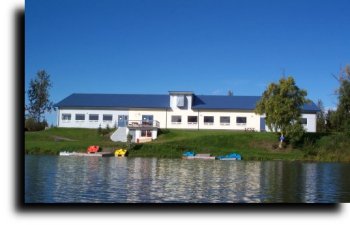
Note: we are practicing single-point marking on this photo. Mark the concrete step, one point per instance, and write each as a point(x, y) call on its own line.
point(119, 135)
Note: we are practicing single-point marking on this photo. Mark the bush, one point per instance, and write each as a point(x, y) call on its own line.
point(99, 130)
point(295, 135)
point(32, 125)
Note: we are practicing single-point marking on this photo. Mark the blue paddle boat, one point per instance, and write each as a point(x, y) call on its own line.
point(231, 156)
point(188, 155)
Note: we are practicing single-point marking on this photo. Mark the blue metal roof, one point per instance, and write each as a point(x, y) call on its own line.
point(163, 101)
point(310, 107)
point(114, 101)
point(225, 102)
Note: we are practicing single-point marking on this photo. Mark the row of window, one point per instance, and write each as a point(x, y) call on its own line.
point(81, 117)
point(225, 120)
point(209, 120)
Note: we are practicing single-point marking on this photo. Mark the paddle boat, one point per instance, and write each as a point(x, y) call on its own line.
point(120, 152)
point(93, 149)
point(188, 155)
point(231, 156)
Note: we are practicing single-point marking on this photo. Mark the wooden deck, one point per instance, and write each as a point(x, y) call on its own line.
point(97, 154)
point(200, 156)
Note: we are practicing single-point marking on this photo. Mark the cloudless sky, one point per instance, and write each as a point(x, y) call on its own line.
point(204, 46)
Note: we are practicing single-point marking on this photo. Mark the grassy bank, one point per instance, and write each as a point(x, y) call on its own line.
point(54, 140)
point(172, 143)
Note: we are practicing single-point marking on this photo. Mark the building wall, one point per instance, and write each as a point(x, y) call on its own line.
point(165, 118)
point(88, 123)
point(188, 102)
point(311, 122)
point(252, 120)
point(158, 114)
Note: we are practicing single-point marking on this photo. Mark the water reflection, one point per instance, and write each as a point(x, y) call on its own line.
point(119, 180)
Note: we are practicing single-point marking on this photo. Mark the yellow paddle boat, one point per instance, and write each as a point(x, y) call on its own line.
point(120, 152)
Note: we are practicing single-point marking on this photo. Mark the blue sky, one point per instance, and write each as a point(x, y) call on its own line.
point(209, 47)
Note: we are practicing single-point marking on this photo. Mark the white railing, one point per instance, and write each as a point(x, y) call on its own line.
point(142, 123)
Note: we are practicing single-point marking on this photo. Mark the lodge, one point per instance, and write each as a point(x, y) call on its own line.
point(141, 115)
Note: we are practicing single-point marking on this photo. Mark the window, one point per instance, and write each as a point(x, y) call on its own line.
point(209, 120)
point(147, 117)
point(146, 133)
point(79, 116)
point(66, 116)
point(93, 117)
point(192, 119)
point(147, 120)
point(224, 120)
point(241, 120)
point(181, 101)
point(107, 117)
point(303, 121)
point(176, 119)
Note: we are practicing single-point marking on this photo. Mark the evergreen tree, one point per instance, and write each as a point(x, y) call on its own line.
point(38, 95)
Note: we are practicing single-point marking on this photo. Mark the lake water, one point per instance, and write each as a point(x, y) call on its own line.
point(56, 179)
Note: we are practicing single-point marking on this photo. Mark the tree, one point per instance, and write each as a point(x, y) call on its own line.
point(281, 103)
point(38, 95)
point(321, 117)
point(341, 117)
point(229, 93)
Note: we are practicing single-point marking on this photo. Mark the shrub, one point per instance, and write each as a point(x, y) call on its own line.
point(108, 129)
point(32, 125)
point(295, 134)
point(129, 144)
point(99, 130)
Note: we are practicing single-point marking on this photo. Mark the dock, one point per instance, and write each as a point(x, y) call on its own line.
point(200, 156)
point(97, 154)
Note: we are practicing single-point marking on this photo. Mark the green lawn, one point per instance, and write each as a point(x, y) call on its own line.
point(172, 143)
point(251, 145)
point(54, 140)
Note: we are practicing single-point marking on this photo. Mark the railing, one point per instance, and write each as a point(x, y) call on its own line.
point(142, 123)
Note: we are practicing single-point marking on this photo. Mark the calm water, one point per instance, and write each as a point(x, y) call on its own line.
point(53, 179)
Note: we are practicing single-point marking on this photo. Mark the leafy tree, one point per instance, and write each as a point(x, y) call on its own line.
point(330, 120)
point(38, 95)
point(281, 103)
point(321, 117)
point(341, 117)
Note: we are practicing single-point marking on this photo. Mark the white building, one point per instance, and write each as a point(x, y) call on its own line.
point(143, 115)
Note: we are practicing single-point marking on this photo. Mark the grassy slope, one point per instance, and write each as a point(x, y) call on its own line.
point(256, 146)
point(172, 143)
point(54, 140)
point(169, 144)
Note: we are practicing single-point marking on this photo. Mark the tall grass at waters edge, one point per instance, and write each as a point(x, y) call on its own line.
point(172, 143)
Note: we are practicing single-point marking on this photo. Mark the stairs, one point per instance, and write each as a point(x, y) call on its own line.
point(119, 135)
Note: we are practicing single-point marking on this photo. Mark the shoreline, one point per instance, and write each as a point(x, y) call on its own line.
point(252, 146)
